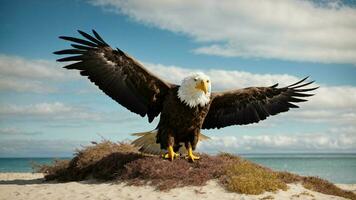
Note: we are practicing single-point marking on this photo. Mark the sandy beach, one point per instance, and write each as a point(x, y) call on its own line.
point(31, 187)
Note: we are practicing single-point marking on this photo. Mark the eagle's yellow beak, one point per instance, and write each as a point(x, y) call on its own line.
point(203, 86)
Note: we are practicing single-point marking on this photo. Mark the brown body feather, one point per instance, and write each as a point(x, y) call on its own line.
point(179, 122)
point(126, 81)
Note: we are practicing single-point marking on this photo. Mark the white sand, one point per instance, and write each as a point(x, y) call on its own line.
point(29, 186)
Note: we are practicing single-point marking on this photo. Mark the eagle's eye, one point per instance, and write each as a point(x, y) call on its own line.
point(195, 79)
point(207, 81)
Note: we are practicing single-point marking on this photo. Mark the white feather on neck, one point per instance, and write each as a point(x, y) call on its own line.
point(192, 97)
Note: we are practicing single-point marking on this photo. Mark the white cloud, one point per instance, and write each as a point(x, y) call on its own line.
point(336, 139)
point(331, 116)
point(39, 148)
point(222, 79)
point(54, 110)
point(20, 85)
point(36, 109)
point(26, 75)
point(283, 29)
point(14, 66)
point(338, 97)
point(332, 104)
point(57, 113)
point(12, 131)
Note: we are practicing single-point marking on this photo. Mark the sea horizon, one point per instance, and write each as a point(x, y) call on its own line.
point(238, 154)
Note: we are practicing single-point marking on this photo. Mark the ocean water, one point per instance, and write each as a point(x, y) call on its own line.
point(337, 168)
point(23, 164)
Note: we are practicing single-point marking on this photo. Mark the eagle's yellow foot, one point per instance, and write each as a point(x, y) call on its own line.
point(170, 154)
point(191, 156)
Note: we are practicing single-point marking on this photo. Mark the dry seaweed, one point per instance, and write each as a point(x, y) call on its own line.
point(325, 187)
point(166, 175)
point(121, 161)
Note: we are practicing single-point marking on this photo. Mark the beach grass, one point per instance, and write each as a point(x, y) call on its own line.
point(245, 177)
point(123, 162)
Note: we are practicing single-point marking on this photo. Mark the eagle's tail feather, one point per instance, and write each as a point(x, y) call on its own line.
point(147, 143)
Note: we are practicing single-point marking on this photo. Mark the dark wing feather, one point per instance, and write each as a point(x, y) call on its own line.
point(250, 105)
point(118, 75)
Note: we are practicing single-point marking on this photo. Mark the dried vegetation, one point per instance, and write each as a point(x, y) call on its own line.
point(122, 162)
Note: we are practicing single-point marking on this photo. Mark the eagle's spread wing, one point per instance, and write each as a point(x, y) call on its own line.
point(250, 105)
point(117, 74)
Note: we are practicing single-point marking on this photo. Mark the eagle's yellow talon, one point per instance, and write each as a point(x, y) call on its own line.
point(170, 154)
point(191, 156)
point(167, 156)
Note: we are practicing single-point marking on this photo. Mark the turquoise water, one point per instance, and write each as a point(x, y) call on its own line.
point(22, 164)
point(337, 168)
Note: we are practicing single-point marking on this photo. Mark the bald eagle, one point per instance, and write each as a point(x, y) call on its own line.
point(184, 109)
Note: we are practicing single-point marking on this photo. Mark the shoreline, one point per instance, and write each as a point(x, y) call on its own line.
point(31, 186)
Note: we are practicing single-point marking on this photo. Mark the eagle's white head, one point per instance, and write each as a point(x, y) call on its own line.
point(195, 90)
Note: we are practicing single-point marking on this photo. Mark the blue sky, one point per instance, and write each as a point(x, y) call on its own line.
point(47, 111)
